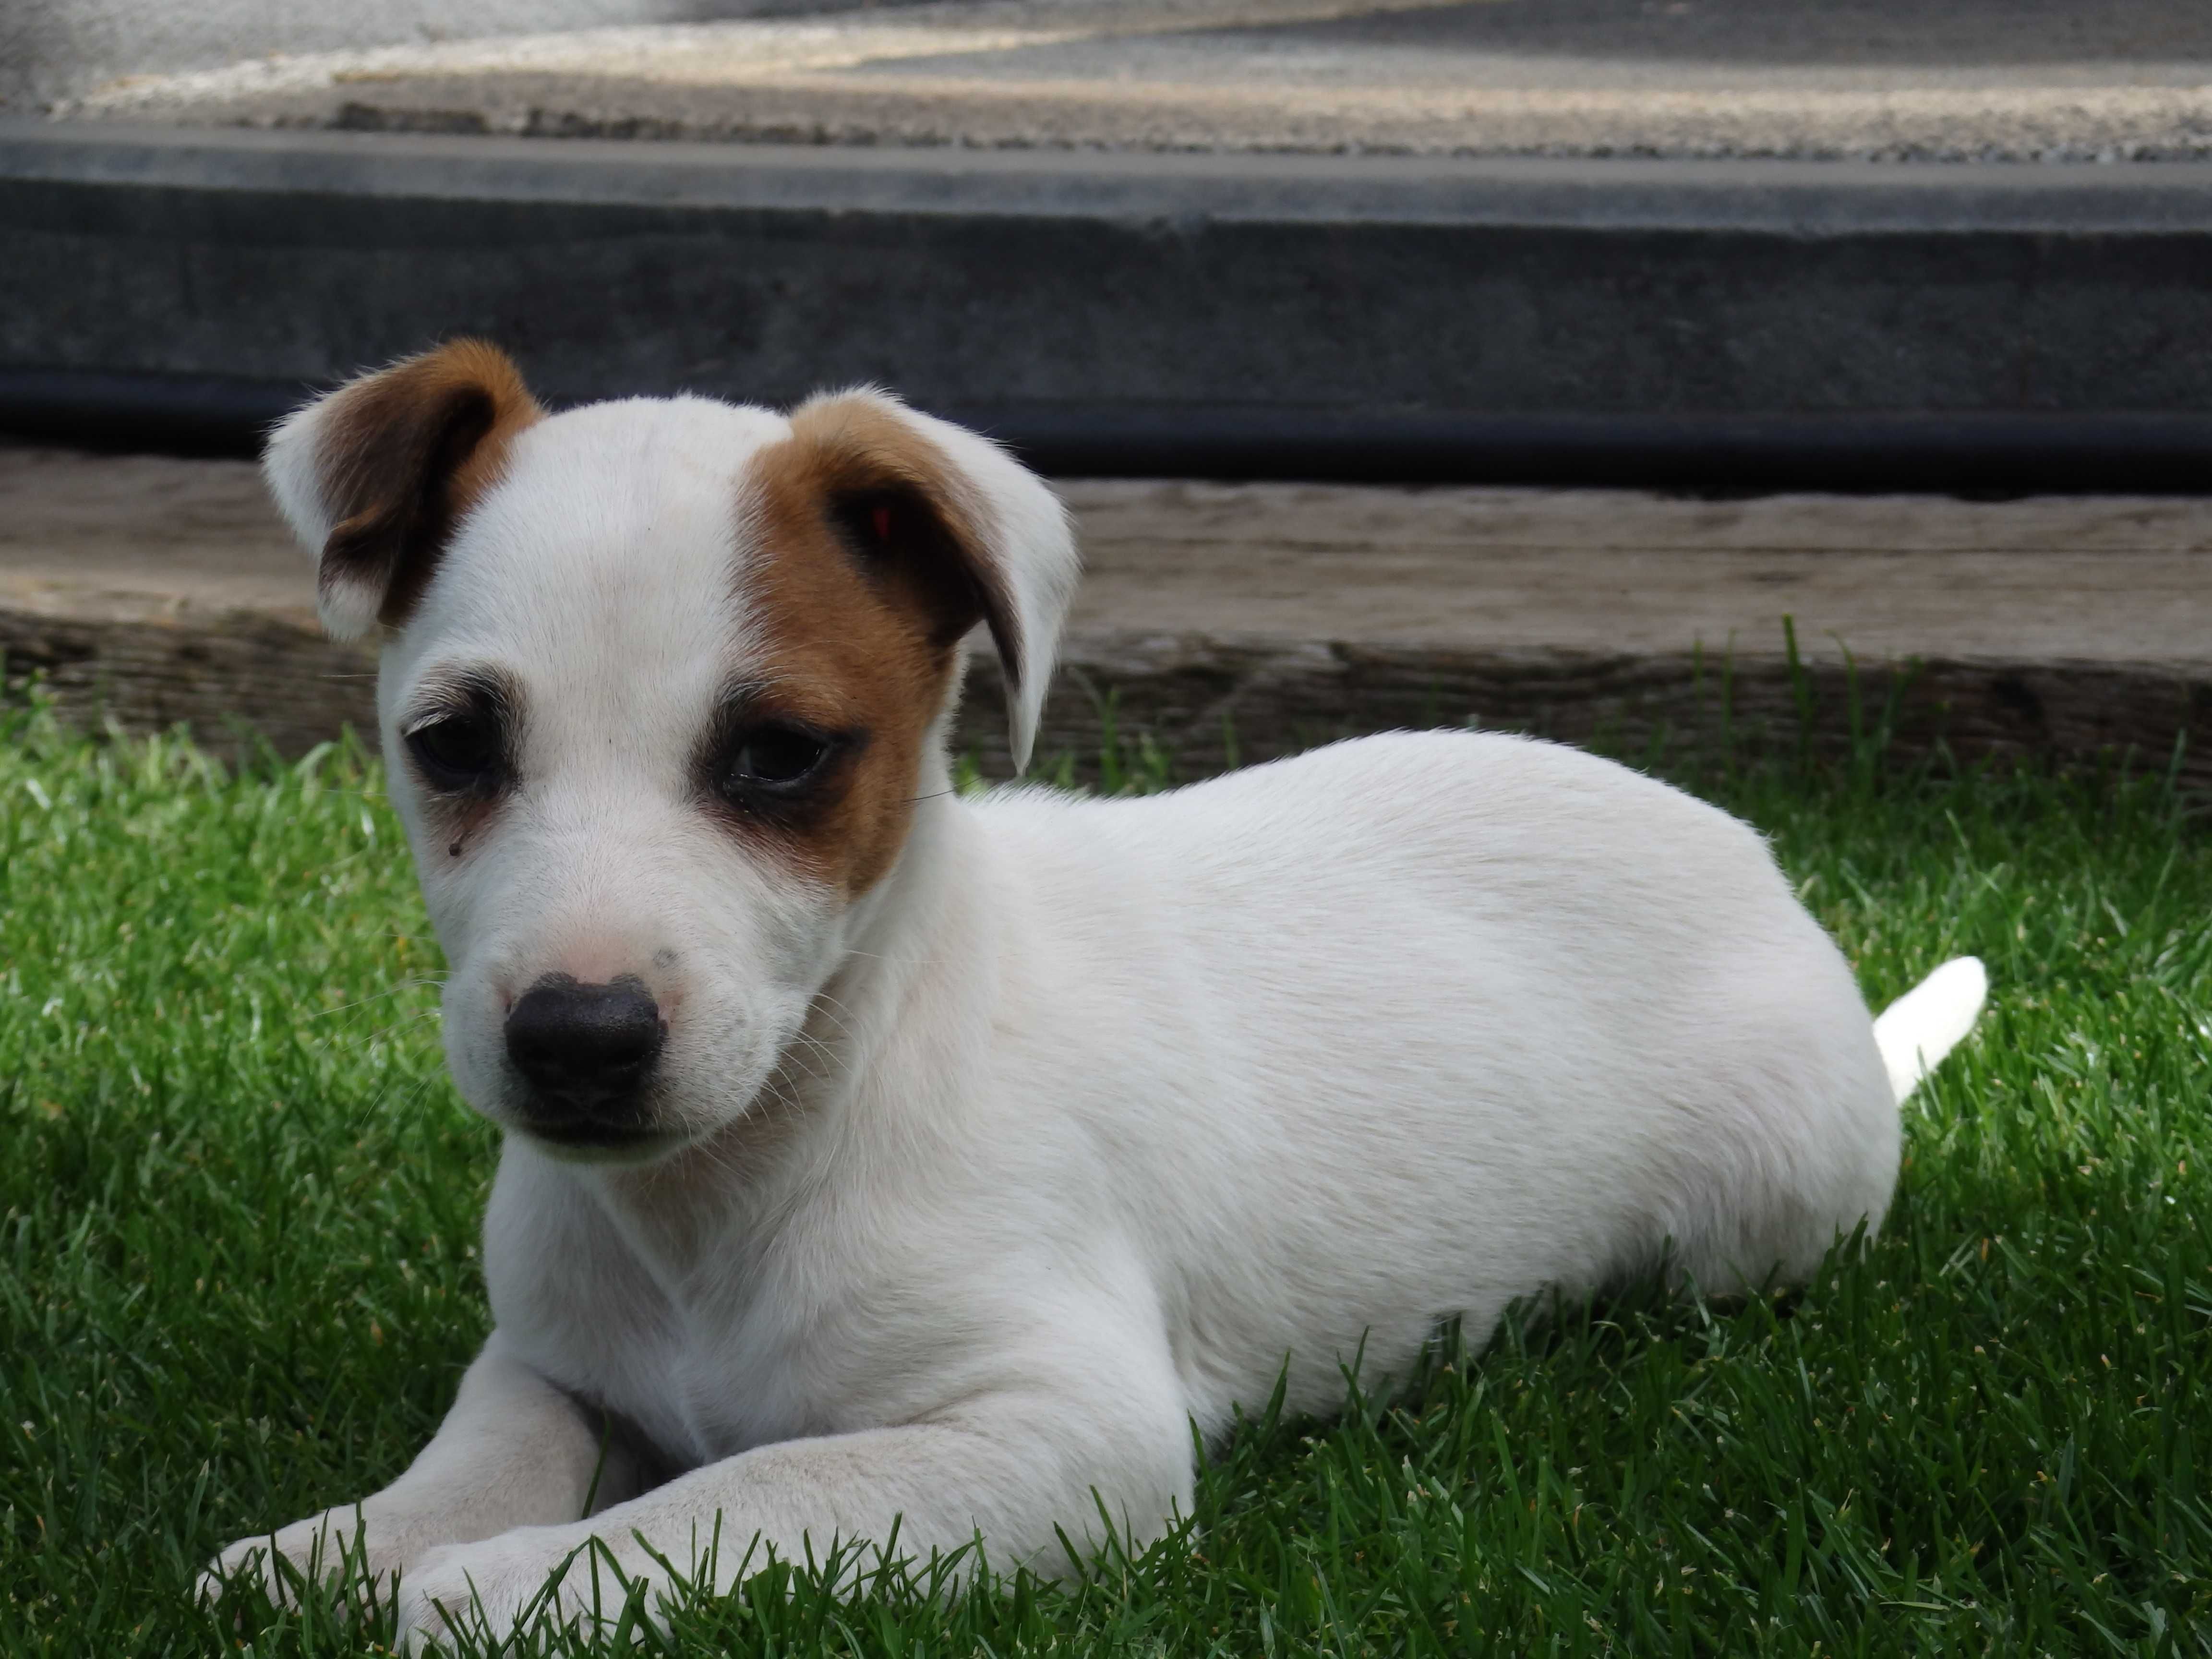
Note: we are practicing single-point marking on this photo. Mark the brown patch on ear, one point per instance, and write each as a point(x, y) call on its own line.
point(909, 515)
point(404, 454)
point(867, 572)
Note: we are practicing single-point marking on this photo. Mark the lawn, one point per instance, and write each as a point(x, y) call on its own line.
point(241, 1277)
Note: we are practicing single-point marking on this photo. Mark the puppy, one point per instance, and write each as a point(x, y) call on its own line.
point(883, 1162)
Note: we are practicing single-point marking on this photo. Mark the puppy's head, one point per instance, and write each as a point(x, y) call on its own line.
point(662, 682)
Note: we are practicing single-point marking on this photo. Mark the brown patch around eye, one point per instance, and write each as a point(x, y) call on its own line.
point(862, 577)
point(761, 769)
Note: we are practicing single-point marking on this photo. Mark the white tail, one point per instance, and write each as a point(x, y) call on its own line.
point(1917, 1030)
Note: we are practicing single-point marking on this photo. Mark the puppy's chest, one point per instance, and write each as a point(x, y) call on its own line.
point(696, 1399)
point(704, 1373)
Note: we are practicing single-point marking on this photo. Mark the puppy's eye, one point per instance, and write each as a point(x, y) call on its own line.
point(774, 757)
point(458, 751)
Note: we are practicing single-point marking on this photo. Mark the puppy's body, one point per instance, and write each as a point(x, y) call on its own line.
point(1311, 1055)
point(967, 1186)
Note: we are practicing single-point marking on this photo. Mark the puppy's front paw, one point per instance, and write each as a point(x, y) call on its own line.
point(517, 1582)
point(322, 1550)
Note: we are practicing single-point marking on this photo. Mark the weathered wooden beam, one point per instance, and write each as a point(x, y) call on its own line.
point(1255, 620)
point(241, 679)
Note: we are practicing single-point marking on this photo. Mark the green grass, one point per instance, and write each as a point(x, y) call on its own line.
point(239, 1278)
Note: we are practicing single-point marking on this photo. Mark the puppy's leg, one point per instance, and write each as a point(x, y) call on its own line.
point(514, 1451)
point(1012, 1471)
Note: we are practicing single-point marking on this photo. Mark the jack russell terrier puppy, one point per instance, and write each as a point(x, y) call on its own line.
point(878, 1158)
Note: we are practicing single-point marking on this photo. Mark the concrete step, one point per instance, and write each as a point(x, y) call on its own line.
point(1260, 618)
point(1746, 323)
point(1723, 243)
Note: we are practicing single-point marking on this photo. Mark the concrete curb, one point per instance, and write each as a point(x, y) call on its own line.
point(1044, 286)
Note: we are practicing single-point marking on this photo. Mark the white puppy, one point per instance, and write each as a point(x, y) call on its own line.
point(878, 1156)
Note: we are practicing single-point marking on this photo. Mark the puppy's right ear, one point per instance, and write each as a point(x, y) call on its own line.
point(373, 476)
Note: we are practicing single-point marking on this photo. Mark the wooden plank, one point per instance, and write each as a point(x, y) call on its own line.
point(152, 591)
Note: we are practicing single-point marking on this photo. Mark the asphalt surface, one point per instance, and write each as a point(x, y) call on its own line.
point(55, 48)
point(1893, 80)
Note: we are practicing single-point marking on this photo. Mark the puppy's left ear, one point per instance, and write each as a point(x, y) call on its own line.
point(974, 534)
point(374, 477)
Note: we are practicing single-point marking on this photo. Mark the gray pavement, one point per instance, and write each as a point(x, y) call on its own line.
point(52, 49)
point(1880, 79)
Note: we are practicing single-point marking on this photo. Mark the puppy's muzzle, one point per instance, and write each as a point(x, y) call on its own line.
point(586, 1051)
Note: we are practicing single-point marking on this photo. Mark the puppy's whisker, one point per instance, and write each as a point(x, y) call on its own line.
point(832, 1012)
point(396, 988)
point(356, 1040)
point(898, 961)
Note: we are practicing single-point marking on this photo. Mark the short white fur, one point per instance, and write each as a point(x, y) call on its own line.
point(1085, 1121)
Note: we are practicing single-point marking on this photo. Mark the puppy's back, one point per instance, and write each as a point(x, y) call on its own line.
point(1459, 1016)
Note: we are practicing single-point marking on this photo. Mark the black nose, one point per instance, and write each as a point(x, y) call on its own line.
point(585, 1049)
